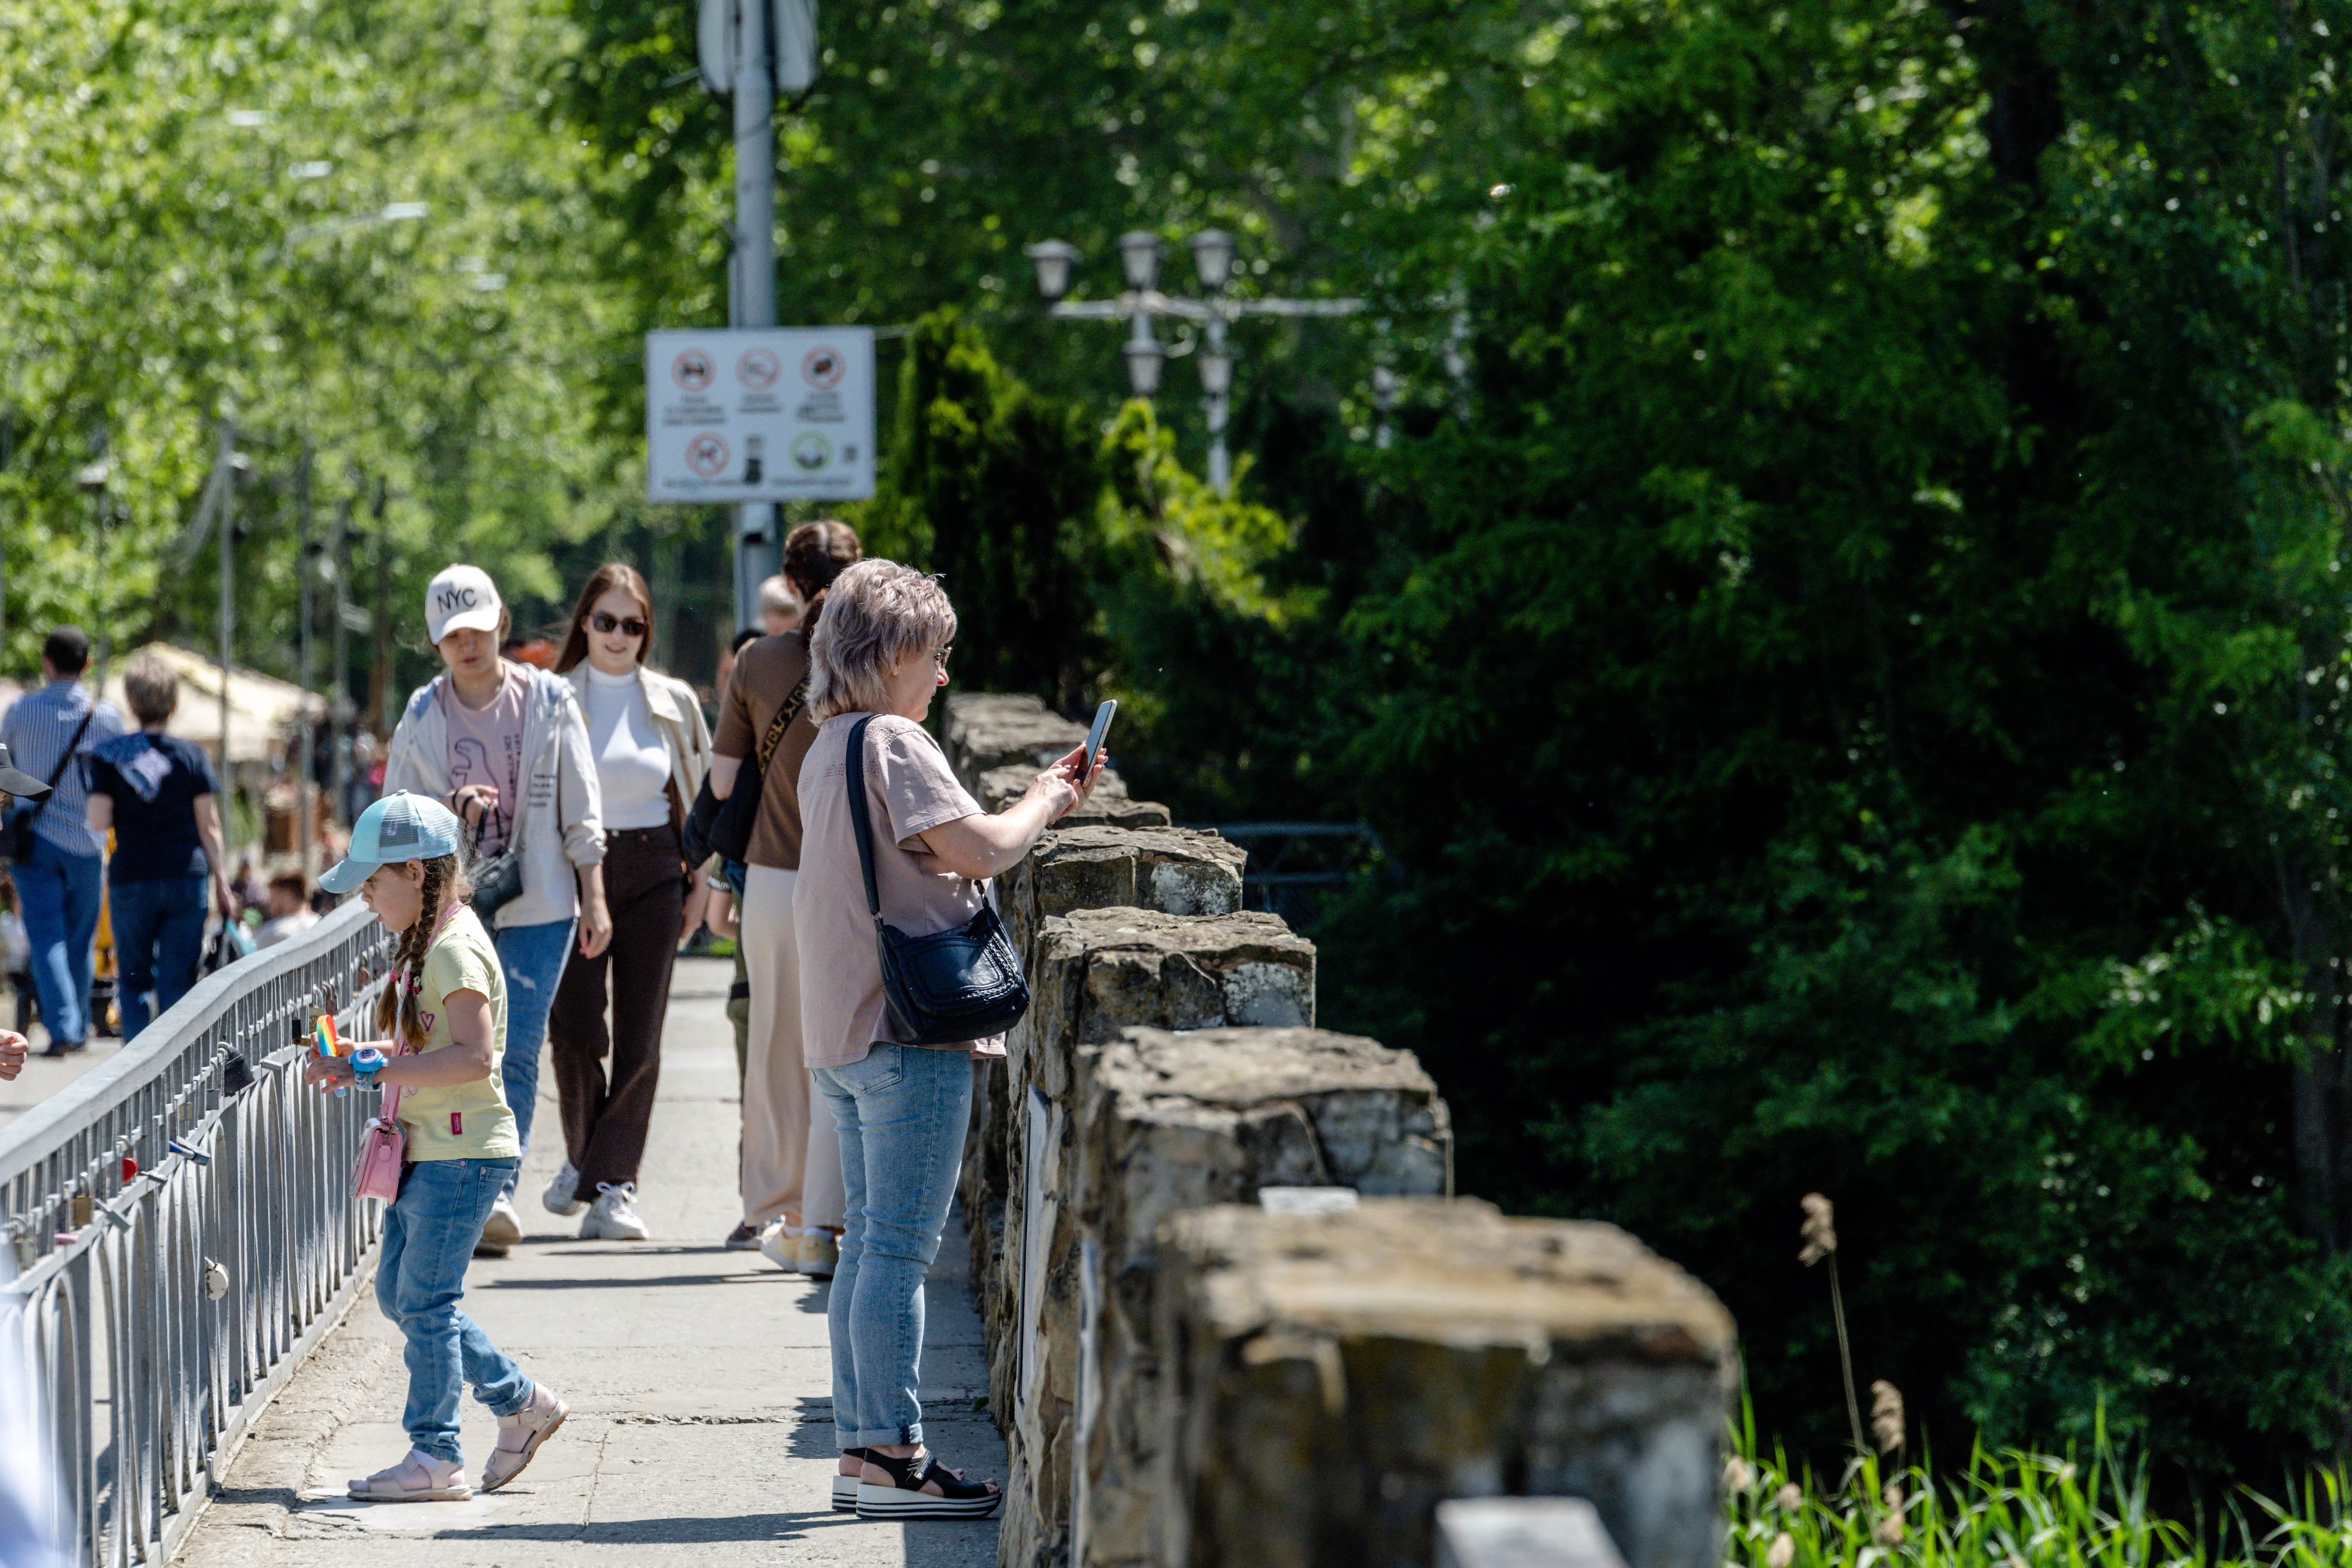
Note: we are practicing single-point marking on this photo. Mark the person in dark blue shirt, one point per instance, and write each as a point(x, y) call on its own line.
point(158, 793)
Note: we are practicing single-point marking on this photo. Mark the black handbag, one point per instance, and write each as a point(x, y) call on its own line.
point(723, 828)
point(20, 822)
point(949, 989)
point(497, 878)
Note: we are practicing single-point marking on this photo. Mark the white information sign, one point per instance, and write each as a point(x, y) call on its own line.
point(760, 414)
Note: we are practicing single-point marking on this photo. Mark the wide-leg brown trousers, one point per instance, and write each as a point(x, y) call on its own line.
point(605, 1117)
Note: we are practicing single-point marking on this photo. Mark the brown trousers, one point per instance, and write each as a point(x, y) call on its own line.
point(604, 1121)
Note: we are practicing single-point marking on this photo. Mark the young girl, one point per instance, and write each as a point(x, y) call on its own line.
point(446, 1008)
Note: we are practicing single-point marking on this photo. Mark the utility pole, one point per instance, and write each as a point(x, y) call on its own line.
point(341, 710)
point(227, 461)
point(751, 49)
point(752, 292)
point(379, 693)
point(305, 569)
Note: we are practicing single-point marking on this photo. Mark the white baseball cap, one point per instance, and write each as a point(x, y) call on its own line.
point(461, 599)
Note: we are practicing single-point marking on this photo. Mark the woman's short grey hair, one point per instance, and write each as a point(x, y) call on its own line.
point(877, 614)
point(152, 687)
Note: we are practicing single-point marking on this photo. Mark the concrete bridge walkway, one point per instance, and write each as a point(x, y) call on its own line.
point(702, 1425)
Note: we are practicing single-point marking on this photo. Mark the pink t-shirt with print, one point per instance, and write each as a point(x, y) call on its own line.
point(486, 748)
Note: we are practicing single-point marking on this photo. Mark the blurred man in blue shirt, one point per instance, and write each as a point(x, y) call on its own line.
point(60, 872)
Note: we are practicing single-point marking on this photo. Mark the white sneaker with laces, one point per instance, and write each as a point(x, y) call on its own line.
point(613, 1215)
point(562, 1195)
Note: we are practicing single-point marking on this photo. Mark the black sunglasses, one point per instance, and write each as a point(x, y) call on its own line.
point(604, 622)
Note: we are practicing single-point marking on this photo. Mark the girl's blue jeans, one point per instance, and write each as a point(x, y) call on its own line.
point(420, 1276)
point(532, 959)
point(902, 1114)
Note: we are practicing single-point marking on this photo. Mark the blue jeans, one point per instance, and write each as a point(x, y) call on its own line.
point(902, 1114)
point(428, 1237)
point(61, 893)
point(532, 958)
point(159, 940)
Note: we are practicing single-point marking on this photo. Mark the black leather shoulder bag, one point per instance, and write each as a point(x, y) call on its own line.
point(949, 989)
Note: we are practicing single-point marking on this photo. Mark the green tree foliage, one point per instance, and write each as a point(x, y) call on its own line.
point(994, 488)
point(1860, 695)
point(194, 217)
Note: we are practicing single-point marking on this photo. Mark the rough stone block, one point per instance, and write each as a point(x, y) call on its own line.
point(1164, 1122)
point(1331, 1378)
point(1170, 870)
point(987, 730)
point(1095, 971)
point(1175, 872)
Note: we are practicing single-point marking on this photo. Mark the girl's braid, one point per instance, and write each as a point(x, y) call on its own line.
point(408, 965)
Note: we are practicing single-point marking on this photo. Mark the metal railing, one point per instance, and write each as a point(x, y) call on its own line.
point(183, 1231)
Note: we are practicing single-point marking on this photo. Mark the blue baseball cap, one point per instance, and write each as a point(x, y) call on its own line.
point(401, 826)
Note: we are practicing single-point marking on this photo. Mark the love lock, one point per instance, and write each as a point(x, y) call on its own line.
point(215, 1281)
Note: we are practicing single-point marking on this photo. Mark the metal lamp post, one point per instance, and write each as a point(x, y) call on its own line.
point(1213, 258)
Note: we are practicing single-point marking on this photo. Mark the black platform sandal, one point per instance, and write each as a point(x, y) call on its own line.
point(845, 1487)
point(906, 1499)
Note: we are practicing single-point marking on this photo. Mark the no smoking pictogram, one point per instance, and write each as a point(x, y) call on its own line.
point(693, 370)
point(758, 369)
point(706, 453)
point(822, 369)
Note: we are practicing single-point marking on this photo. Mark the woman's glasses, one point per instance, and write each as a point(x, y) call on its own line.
point(605, 624)
point(940, 655)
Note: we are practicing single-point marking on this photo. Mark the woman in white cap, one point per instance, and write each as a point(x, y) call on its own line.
point(444, 1013)
point(505, 746)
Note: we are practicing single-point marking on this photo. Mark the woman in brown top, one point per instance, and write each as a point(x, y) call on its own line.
point(790, 1174)
point(901, 1111)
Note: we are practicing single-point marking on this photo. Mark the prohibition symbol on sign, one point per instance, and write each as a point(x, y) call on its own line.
point(708, 455)
point(824, 368)
point(758, 369)
point(693, 370)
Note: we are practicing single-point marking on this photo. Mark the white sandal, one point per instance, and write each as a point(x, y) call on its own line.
point(527, 1428)
point(420, 1478)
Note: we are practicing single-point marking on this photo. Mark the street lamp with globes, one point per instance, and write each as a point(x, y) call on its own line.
point(1212, 260)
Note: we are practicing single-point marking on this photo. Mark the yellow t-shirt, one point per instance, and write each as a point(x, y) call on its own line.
point(465, 1120)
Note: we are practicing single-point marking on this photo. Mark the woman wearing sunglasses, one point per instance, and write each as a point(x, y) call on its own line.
point(651, 748)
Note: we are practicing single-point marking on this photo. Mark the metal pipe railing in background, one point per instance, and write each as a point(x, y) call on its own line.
point(182, 1230)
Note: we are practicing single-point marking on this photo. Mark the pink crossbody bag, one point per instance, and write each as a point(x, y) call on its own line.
point(384, 1148)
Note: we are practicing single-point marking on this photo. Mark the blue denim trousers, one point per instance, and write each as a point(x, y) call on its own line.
point(159, 940)
point(420, 1276)
point(61, 893)
point(901, 1114)
point(532, 958)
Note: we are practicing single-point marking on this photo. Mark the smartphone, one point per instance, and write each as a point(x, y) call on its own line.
point(1095, 739)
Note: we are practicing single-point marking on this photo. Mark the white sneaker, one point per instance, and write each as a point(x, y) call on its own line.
point(782, 1246)
point(562, 1195)
point(504, 1228)
point(613, 1216)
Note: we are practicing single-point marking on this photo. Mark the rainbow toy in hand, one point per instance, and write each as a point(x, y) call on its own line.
point(329, 1044)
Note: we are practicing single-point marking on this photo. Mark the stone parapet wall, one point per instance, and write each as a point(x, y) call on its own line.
point(1184, 1378)
point(1331, 1378)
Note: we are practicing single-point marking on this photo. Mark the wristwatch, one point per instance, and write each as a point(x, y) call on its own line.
point(366, 1062)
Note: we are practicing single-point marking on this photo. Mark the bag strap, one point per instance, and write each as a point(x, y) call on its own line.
point(860, 821)
point(59, 771)
point(782, 722)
